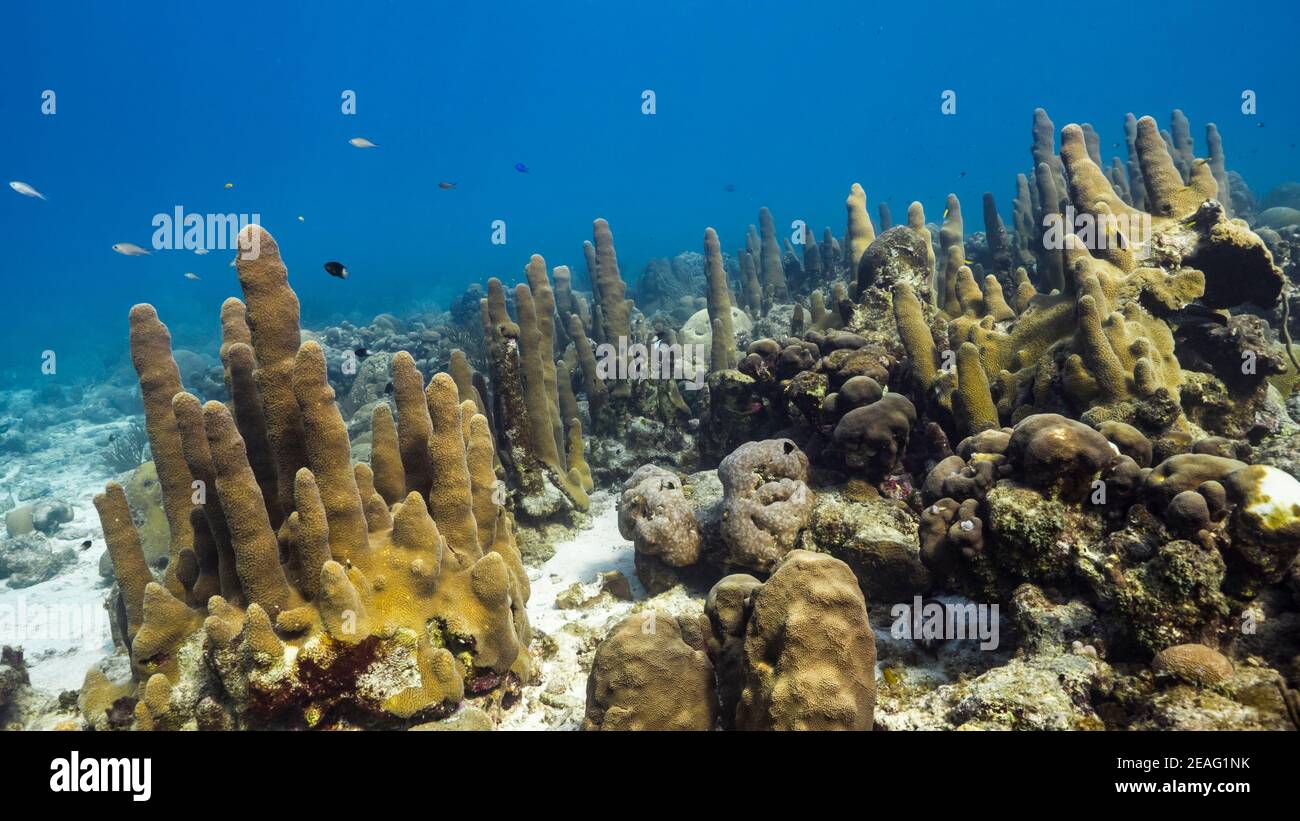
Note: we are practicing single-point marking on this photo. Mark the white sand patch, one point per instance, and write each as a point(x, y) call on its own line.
point(61, 624)
point(557, 703)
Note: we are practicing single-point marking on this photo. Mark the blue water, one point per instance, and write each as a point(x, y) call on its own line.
point(160, 105)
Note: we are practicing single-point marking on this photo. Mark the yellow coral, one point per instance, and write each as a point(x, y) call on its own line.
point(368, 611)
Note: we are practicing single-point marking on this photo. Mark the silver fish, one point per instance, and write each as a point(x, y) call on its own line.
point(362, 142)
point(26, 190)
point(130, 249)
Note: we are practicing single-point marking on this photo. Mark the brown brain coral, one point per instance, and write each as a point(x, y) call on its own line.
point(810, 653)
point(1193, 663)
point(645, 676)
point(352, 612)
point(1059, 455)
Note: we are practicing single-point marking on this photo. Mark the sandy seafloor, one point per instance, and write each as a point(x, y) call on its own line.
point(557, 702)
point(61, 623)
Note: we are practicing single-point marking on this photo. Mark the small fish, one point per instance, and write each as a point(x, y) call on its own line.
point(521, 168)
point(730, 188)
point(945, 213)
point(112, 437)
point(446, 186)
point(200, 251)
point(962, 174)
point(26, 190)
point(301, 218)
point(86, 544)
point(191, 275)
point(130, 249)
point(388, 389)
point(1261, 125)
point(336, 269)
point(361, 353)
point(362, 142)
point(229, 186)
point(232, 263)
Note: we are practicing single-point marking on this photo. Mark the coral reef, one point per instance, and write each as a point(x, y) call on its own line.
point(794, 652)
point(1080, 417)
point(1054, 460)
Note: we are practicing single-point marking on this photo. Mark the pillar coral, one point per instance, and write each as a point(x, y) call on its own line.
point(355, 612)
point(1101, 343)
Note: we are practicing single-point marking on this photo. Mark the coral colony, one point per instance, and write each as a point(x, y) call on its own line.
point(1058, 457)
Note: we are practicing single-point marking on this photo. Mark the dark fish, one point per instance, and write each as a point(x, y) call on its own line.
point(446, 186)
point(962, 174)
point(521, 168)
point(1261, 125)
point(361, 353)
point(112, 437)
point(729, 188)
point(388, 389)
point(336, 269)
point(85, 545)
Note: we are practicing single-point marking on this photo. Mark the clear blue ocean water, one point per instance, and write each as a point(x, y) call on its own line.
point(160, 105)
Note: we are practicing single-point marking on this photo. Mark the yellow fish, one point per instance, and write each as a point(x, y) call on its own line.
point(230, 185)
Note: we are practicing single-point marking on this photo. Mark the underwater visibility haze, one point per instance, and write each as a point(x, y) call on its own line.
point(655, 366)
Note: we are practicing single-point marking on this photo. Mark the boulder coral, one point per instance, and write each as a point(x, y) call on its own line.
point(809, 651)
point(766, 502)
point(654, 514)
point(647, 676)
point(796, 652)
point(352, 612)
